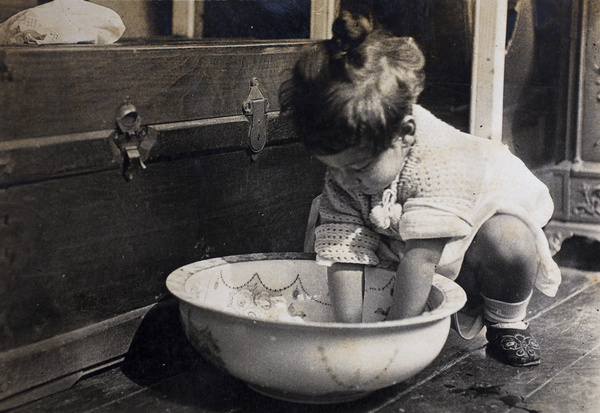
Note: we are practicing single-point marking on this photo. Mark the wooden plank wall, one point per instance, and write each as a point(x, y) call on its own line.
point(75, 89)
point(84, 249)
point(85, 253)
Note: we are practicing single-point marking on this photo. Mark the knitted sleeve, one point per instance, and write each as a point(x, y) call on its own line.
point(342, 235)
point(441, 181)
point(432, 218)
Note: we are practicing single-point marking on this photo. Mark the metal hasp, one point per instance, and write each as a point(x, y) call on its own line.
point(255, 108)
point(133, 140)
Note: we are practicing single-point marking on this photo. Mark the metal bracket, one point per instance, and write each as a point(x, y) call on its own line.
point(133, 140)
point(255, 108)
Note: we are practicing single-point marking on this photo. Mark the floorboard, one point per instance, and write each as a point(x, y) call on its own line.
point(477, 383)
point(164, 374)
point(573, 389)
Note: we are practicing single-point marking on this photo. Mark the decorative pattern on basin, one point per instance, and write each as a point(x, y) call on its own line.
point(255, 299)
point(297, 295)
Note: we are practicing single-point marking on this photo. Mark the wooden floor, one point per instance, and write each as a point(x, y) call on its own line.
point(163, 374)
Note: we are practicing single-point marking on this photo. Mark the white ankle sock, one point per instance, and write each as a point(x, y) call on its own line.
point(505, 315)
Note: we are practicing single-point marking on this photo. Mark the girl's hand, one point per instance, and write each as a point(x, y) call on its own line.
point(414, 277)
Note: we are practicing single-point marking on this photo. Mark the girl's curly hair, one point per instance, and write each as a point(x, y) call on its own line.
point(354, 89)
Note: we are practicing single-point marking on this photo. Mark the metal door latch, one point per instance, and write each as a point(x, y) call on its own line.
point(133, 140)
point(255, 108)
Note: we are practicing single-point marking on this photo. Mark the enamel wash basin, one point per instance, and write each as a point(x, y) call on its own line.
point(267, 320)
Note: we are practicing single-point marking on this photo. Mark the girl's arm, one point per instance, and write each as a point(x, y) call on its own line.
point(345, 282)
point(414, 277)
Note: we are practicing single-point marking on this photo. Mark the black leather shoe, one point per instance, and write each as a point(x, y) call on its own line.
point(512, 346)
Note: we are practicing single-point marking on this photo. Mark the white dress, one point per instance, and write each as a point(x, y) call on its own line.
point(450, 185)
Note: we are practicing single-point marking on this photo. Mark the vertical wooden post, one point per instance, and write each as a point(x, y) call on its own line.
point(487, 82)
point(584, 61)
point(322, 14)
point(183, 18)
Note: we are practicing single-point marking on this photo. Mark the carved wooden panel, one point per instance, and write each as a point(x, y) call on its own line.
point(585, 200)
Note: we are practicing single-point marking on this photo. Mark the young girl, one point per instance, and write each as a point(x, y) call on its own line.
point(404, 186)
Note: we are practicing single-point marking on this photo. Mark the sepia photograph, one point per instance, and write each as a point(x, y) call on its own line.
point(304, 206)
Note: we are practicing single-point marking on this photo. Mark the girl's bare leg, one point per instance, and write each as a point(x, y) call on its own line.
point(345, 282)
point(504, 261)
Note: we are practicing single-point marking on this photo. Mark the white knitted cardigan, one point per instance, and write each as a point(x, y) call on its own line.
point(446, 189)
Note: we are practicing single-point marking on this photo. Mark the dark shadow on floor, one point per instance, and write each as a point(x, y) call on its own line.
point(161, 359)
point(580, 253)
